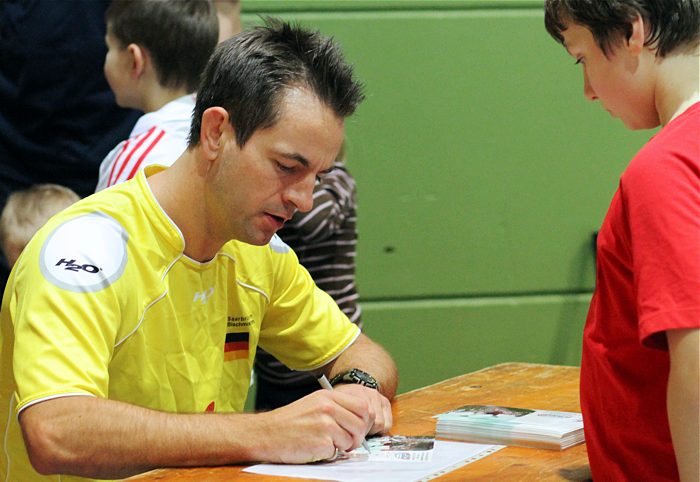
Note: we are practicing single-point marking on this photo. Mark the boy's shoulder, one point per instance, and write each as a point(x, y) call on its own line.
point(175, 113)
point(673, 149)
point(678, 136)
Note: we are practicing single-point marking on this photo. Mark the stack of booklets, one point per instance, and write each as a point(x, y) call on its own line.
point(511, 426)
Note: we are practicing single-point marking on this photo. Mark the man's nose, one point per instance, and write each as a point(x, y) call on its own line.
point(301, 194)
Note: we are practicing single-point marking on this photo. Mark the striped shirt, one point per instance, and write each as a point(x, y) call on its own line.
point(158, 137)
point(325, 241)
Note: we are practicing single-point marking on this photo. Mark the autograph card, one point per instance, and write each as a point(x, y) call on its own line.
point(397, 448)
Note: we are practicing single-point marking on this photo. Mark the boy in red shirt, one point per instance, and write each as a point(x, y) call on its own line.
point(640, 373)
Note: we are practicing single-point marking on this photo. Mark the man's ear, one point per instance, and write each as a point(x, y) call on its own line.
point(139, 58)
point(215, 122)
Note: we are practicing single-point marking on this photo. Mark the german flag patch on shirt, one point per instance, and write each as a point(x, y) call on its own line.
point(236, 346)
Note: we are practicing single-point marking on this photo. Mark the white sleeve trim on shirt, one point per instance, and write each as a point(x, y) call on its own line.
point(357, 334)
point(51, 397)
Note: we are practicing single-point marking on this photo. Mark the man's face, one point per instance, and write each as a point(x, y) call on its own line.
point(254, 190)
point(117, 69)
point(620, 81)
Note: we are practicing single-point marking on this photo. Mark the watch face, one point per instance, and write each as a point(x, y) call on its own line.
point(356, 376)
point(362, 376)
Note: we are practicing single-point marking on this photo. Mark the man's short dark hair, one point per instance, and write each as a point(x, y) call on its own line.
point(673, 24)
point(249, 75)
point(179, 35)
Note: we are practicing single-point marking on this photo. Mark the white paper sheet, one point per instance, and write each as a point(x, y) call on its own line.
point(447, 456)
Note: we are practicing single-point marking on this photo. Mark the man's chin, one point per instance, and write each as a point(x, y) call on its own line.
point(259, 240)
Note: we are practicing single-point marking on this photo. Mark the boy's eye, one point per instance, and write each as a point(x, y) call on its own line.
point(578, 61)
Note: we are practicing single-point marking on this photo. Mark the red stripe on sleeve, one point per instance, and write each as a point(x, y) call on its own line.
point(126, 161)
point(143, 156)
point(116, 161)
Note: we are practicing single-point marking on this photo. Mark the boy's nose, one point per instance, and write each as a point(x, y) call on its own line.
point(588, 91)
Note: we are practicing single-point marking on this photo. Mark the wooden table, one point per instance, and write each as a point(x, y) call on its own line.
point(546, 387)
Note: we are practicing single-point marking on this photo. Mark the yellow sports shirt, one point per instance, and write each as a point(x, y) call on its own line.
point(104, 303)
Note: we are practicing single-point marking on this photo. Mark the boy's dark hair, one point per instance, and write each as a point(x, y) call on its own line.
point(249, 74)
point(673, 24)
point(180, 35)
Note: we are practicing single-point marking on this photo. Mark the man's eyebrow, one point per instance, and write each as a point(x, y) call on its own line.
point(296, 157)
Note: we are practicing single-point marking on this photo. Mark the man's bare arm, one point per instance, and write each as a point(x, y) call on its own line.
point(94, 437)
point(368, 356)
point(683, 401)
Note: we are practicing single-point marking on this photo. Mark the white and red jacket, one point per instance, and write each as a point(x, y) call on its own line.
point(158, 137)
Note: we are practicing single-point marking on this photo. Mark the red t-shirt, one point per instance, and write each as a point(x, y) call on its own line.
point(647, 282)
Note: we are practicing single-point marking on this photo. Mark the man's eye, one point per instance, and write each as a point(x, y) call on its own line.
point(578, 61)
point(283, 168)
point(322, 174)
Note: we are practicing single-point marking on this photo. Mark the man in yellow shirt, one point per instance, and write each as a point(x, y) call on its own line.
point(130, 322)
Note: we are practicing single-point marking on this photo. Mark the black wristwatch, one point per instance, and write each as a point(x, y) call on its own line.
point(357, 376)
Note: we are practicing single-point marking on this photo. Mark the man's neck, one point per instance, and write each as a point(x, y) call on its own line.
point(178, 190)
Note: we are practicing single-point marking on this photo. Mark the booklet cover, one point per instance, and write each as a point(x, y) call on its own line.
point(511, 426)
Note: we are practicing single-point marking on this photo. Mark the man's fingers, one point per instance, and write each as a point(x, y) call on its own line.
point(379, 418)
point(385, 419)
point(354, 415)
point(340, 418)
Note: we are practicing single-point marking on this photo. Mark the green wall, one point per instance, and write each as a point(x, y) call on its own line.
point(482, 173)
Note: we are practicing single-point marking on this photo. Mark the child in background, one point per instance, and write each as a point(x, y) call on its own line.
point(229, 14)
point(28, 210)
point(640, 371)
point(324, 240)
point(156, 51)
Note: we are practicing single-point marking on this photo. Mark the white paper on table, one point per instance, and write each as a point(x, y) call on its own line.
point(447, 456)
point(396, 447)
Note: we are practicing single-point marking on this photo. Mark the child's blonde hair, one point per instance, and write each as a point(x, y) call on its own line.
point(28, 210)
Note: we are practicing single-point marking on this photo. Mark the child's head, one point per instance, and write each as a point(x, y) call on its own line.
point(672, 25)
point(28, 210)
point(177, 35)
point(633, 53)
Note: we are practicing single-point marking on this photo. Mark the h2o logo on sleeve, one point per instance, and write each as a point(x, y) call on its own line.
point(85, 254)
point(72, 266)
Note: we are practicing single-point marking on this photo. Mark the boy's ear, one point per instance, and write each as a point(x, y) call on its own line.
point(635, 42)
point(139, 57)
point(215, 124)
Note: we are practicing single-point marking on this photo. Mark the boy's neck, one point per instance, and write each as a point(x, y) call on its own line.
point(158, 96)
point(677, 85)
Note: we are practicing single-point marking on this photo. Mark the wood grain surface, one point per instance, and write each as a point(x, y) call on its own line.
point(524, 385)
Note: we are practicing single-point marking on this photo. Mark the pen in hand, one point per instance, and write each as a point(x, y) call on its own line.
point(327, 385)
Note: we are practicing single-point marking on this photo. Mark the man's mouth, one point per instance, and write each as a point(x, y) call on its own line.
point(278, 219)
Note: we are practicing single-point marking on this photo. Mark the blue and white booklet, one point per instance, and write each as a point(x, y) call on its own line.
point(511, 426)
